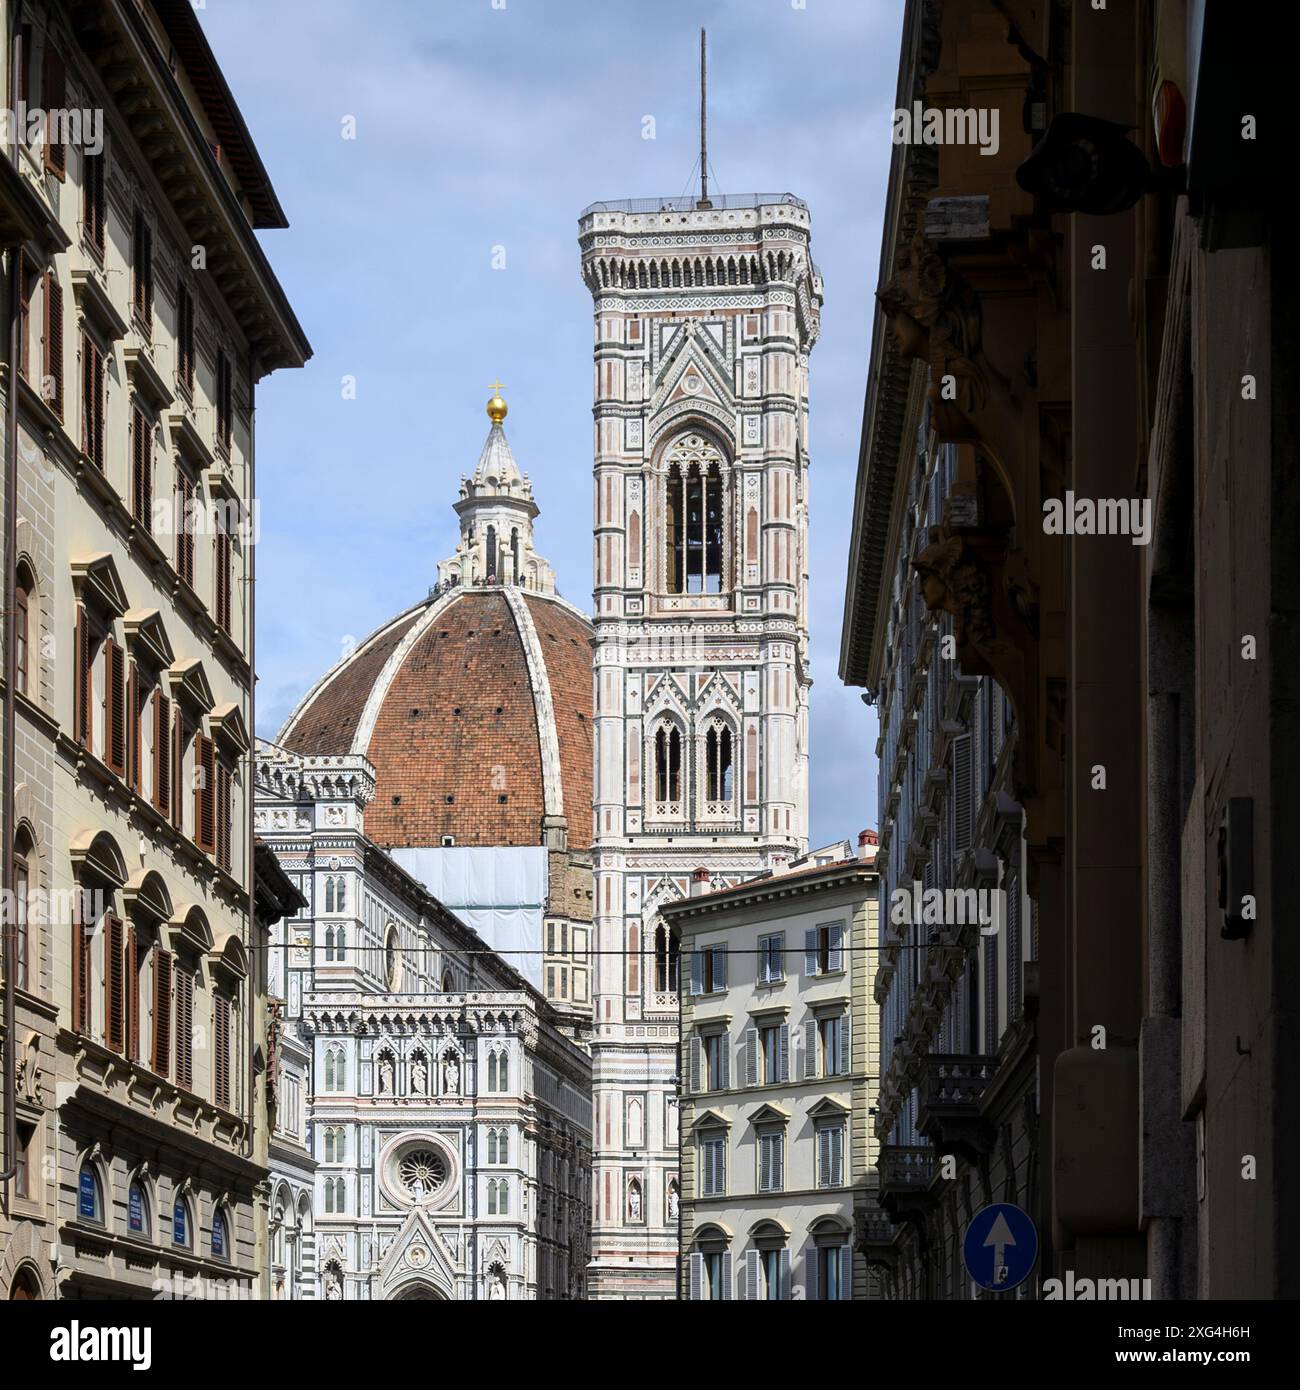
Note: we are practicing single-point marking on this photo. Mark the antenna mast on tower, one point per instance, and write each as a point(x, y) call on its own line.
point(704, 124)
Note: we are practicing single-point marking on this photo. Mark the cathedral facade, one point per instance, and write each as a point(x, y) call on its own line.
point(705, 316)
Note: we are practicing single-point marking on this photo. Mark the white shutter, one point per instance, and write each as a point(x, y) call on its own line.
point(751, 1278)
point(751, 1056)
point(783, 1277)
point(726, 1274)
point(719, 967)
point(697, 972)
point(810, 1049)
point(695, 1064)
point(695, 1279)
point(810, 951)
point(823, 1157)
point(837, 1155)
point(783, 1053)
point(835, 948)
point(778, 1161)
point(810, 1274)
point(724, 1063)
point(842, 1067)
point(846, 1271)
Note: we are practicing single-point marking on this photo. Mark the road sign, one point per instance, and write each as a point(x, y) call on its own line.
point(1001, 1247)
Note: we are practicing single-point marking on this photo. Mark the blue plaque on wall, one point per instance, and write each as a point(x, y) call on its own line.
point(135, 1208)
point(87, 1205)
point(179, 1236)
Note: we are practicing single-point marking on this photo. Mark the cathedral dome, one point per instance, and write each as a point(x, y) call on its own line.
point(475, 706)
point(475, 709)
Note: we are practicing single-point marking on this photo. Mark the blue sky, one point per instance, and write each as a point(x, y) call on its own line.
point(479, 126)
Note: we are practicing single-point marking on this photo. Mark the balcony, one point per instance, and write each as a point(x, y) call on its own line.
point(949, 1099)
point(906, 1176)
point(874, 1236)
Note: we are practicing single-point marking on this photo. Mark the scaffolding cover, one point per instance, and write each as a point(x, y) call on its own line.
point(497, 891)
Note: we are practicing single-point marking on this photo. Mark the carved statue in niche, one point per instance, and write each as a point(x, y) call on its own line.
point(419, 1074)
point(496, 1285)
point(451, 1075)
point(672, 1203)
point(385, 1076)
point(333, 1286)
point(634, 1203)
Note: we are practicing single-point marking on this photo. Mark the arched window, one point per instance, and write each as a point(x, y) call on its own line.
point(514, 553)
point(334, 1069)
point(137, 1209)
point(503, 1073)
point(667, 959)
point(180, 1222)
point(329, 895)
point(334, 1196)
point(448, 984)
point(390, 958)
point(492, 1146)
point(220, 1235)
point(25, 587)
point(492, 1071)
point(503, 1146)
point(491, 554)
point(718, 762)
point(340, 893)
point(694, 508)
point(90, 1195)
point(23, 854)
point(668, 763)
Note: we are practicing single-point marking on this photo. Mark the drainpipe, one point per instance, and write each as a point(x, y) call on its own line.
point(10, 926)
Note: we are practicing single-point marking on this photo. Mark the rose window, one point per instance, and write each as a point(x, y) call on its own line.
point(422, 1172)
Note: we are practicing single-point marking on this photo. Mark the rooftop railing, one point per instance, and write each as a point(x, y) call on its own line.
point(723, 202)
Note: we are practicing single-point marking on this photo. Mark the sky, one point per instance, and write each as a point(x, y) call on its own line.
point(484, 124)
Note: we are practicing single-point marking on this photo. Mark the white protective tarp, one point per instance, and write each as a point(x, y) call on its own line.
point(498, 891)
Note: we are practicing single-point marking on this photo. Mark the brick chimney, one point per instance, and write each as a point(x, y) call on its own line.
point(867, 842)
point(699, 881)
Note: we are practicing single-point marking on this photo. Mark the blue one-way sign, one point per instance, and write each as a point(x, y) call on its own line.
point(1000, 1248)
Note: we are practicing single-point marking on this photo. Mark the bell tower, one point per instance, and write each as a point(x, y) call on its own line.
point(705, 312)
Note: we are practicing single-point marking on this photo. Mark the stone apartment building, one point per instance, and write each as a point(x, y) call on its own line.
point(1093, 312)
point(778, 1041)
point(144, 313)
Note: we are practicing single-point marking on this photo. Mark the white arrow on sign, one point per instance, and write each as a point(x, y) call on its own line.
point(999, 1237)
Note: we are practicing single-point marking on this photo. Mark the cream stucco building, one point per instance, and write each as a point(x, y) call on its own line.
point(778, 1051)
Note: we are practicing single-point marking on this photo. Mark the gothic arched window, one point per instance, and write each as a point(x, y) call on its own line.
point(694, 517)
point(667, 959)
point(491, 554)
point(329, 895)
point(718, 762)
point(668, 763)
point(514, 554)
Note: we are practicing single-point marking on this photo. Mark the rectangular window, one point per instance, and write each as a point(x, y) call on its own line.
point(52, 365)
point(831, 1036)
point(830, 1156)
point(185, 527)
point(141, 469)
point(769, 1037)
point(54, 97)
point(824, 949)
point(92, 401)
point(205, 794)
point(771, 1160)
point(23, 1161)
point(224, 402)
point(771, 958)
point(94, 208)
point(713, 1166)
point(832, 1271)
point(714, 1044)
point(142, 273)
point(185, 341)
point(709, 970)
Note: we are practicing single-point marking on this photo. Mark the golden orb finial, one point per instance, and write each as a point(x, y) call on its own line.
point(496, 407)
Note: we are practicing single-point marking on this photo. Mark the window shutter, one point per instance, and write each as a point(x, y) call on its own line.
point(178, 770)
point(162, 1010)
point(719, 967)
point(695, 1279)
point(751, 1056)
point(81, 968)
point(54, 89)
point(52, 386)
point(114, 994)
point(835, 950)
point(162, 763)
point(133, 726)
point(837, 1155)
point(843, 1061)
point(224, 792)
point(846, 1271)
point(810, 951)
point(221, 568)
point(185, 1029)
point(205, 794)
point(783, 1276)
point(961, 793)
point(810, 1273)
point(697, 973)
point(783, 1052)
point(726, 1274)
point(1014, 949)
point(824, 1156)
point(221, 1042)
point(695, 1065)
point(751, 1279)
point(81, 717)
point(132, 994)
point(724, 1063)
point(810, 1049)
point(115, 705)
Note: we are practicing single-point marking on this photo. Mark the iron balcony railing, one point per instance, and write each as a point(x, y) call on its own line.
point(723, 202)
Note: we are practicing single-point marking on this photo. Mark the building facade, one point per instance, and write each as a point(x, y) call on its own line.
point(705, 313)
point(447, 1111)
point(1094, 309)
point(145, 314)
point(778, 1041)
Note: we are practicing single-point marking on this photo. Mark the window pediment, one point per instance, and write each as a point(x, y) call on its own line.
point(95, 581)
point(711, 1120)
point(147, 637)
